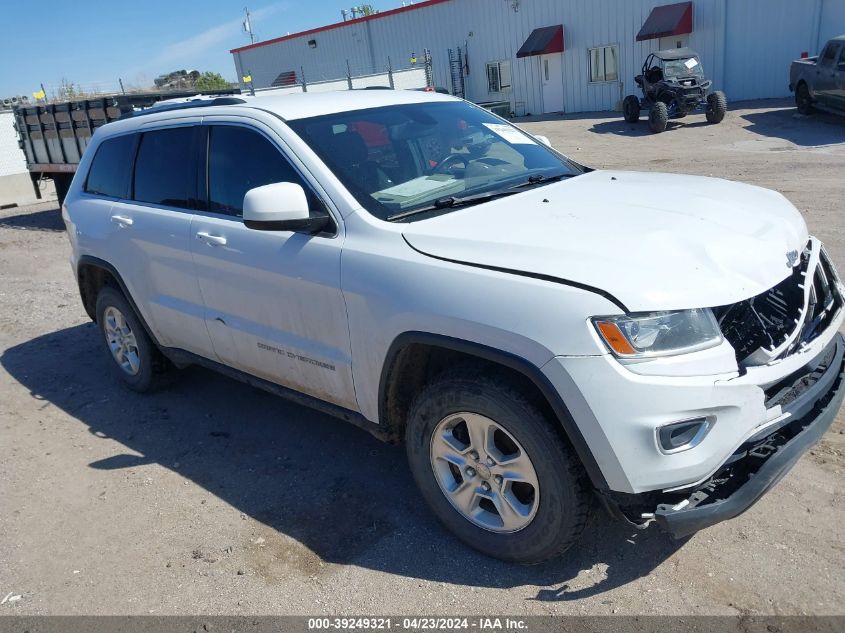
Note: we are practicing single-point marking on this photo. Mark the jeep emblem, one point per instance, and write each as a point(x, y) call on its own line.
point(791, 258)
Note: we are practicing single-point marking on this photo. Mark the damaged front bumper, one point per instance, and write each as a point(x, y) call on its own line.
point(810, 403)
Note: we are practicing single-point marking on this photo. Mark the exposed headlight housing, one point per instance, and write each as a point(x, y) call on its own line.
point(649, 334)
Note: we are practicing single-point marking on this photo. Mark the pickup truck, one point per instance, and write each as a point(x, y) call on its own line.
point(819, 82)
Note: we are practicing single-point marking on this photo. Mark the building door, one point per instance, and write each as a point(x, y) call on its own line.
point(673, 41)
point(551, 78)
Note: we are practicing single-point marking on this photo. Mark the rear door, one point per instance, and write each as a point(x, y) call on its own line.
point(273, 303)
point(149, 240)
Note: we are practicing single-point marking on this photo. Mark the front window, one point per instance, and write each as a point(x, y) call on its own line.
point(400, 159)
point(240, 159)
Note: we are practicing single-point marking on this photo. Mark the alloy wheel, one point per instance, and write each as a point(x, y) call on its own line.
point(121, 341)
point(484, 472)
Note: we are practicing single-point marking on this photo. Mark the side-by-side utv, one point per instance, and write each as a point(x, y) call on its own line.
point(673, 85)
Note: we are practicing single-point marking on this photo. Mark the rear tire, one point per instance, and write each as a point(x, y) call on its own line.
point(717, 106)
point(133, 356)
point(551, 511)
point(631, 109)
point(803, 100)
point(658, 117)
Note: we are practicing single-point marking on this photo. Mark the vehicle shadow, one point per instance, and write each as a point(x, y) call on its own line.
point(49, 220)
point(620, 127)
point(819, 128)
point(343, 496)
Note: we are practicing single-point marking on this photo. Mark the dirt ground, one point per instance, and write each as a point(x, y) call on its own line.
point(212, 497)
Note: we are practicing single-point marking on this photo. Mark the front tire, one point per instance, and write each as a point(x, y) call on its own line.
point(658, 117)
point(631, 109)
point(135, 359)
point(717, 106)
point(494, 470)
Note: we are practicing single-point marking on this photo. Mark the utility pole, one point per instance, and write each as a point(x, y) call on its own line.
point(248, 26)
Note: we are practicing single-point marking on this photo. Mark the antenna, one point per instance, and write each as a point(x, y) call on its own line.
point(248, 26)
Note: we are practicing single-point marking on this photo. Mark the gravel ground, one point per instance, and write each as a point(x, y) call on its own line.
point(214, 498)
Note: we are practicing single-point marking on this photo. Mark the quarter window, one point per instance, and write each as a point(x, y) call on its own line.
point(240, 159)
point(165, 170)
point(111, 167)
point(604, 63)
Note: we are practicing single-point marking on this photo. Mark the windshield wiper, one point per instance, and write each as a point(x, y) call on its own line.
point(451, 202)
point(540, 179)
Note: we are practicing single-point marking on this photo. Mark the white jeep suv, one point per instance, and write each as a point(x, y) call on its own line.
point(536, 331)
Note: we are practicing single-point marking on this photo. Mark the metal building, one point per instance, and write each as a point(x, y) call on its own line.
point(543, 56)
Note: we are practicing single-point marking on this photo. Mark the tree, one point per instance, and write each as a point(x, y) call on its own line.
point(366, 9)
point(69, 91)
point(211, 81)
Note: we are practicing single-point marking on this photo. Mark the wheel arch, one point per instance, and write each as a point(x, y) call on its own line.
point(807, 85)
point(92, 274)
point(413, 358)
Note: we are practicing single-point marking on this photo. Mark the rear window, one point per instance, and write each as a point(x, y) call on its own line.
point(110, 169)
point(165, 172)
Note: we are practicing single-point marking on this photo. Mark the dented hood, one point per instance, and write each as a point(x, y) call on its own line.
point(652, 241)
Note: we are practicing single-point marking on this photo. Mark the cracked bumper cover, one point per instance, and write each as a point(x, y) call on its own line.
point(812, 413)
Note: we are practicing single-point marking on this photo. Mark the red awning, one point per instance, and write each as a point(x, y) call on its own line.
point(548, 39)
point(670, 19)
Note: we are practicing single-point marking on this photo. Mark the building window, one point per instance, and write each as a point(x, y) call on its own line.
point(604, 63)
point(498, 76)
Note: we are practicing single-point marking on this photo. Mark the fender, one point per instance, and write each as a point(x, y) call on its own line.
point(101, 263)
point(511, 361)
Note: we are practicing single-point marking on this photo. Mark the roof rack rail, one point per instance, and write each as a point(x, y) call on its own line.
point(192, 103)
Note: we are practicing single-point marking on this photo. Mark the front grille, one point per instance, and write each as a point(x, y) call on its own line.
point(777, 322)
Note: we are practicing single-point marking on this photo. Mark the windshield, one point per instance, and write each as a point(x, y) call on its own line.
point(676, 68)
point(397, 159)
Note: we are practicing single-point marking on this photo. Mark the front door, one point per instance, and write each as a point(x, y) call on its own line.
point(839, 92)
point(273, 304)
point(551, 78)
point(826, 75)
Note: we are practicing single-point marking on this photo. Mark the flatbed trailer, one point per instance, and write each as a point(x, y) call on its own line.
point(54, 136)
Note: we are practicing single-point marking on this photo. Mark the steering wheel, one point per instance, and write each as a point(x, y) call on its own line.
point(445, 165)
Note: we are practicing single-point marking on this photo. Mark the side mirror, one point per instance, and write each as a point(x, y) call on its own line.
point(543, 139)
point(280, 206)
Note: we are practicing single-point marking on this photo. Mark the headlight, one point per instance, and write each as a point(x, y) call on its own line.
point(650, 334)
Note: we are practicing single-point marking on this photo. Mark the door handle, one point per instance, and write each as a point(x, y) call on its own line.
point(211, 240)
point(122, 220)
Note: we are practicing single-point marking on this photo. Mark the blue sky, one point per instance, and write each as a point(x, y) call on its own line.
point(92, 44)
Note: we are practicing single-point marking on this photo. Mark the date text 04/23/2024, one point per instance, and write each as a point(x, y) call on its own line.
point(417, 624)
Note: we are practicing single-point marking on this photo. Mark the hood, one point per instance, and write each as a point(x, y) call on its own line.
point(652, 241)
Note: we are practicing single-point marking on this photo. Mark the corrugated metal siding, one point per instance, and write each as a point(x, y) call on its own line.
point(745, 45)
point(758, 59)
point(831, 23)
